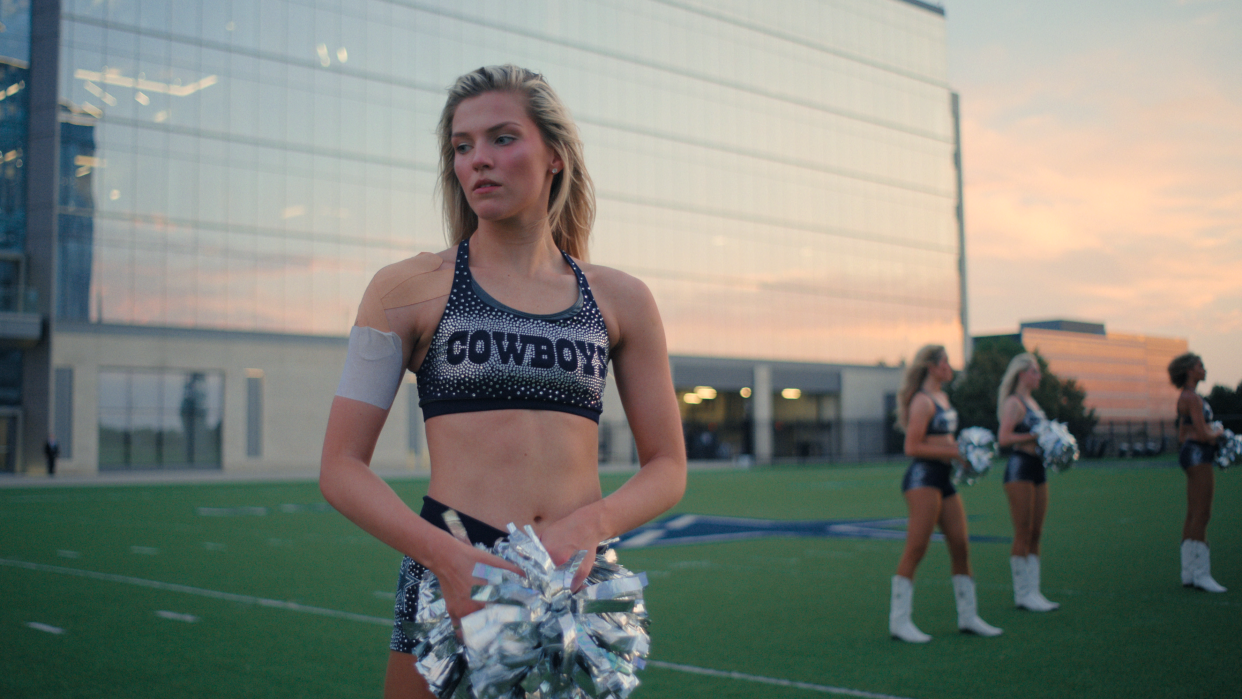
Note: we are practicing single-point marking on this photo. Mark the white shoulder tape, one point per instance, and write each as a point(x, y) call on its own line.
point(373, 368)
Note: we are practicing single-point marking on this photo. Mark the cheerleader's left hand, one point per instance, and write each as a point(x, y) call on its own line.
point(568, 536)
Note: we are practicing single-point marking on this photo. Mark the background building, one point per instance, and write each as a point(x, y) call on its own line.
point(203, 189)
point(1126, 377)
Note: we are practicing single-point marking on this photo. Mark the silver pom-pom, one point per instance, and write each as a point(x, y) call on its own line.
point(1057, 446)
point(977, 446)
point(1228, 448)
point(536, 638)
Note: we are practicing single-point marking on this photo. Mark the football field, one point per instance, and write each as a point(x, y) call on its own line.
point(764, 583)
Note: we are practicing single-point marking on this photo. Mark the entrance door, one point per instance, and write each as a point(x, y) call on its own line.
point(8, 443)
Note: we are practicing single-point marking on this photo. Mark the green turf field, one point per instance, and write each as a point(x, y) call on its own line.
point(257, 590)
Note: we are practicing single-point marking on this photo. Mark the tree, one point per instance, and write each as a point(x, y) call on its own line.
point(1227, 405)
point(974, 392)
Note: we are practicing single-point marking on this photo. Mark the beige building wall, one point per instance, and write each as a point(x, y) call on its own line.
point(299, 375)
point(299, 380)
point(1125, 376)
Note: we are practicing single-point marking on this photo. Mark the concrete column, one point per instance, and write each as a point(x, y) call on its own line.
point(42, 161)
point(762, 413)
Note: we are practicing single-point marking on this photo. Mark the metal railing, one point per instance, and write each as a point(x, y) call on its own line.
point(1138, 438)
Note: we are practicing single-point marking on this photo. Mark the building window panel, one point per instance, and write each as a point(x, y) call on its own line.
point(159, 419)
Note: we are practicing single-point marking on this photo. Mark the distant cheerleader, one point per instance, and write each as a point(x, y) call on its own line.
point(1025, 478)
point(923, 411)
point(1198, 441)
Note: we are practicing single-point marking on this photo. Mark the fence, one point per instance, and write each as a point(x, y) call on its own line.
point(1132, 438)
point(794, 441)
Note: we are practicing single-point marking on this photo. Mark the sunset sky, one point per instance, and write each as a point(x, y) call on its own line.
point(1102, 146)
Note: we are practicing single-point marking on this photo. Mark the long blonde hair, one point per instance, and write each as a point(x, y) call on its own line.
point(927, 357)
point(1009, 382)
point(571, 205)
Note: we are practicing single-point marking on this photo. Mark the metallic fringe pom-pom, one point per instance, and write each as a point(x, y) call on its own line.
point(1057, 446)
point(1228, 448)
point(978, 447)
point(536, 638)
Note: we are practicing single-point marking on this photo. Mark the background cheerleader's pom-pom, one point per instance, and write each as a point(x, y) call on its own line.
point(1228, 448)
point(536, 638)
point(1058, 447)
point(977, 446)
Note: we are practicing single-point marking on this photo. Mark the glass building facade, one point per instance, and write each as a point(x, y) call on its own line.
point(782, 174)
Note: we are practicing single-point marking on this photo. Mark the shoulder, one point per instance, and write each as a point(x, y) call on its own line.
point(1014, 404)
point(613, 285)
point(420, 265)
point(922, 401)
point(417, 279)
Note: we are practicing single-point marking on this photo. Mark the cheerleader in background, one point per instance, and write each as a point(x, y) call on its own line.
point(1025, 478)
point(1198, 441)
point(923, 411)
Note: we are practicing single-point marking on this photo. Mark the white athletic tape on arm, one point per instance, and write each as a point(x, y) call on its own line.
point(373, 368)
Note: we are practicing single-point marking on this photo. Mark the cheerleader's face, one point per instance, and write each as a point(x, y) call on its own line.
point(1198, 373)
point(1030, 377)
point(942, 371)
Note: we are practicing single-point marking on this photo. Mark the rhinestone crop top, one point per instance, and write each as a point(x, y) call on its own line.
point(1184, 418)
point(943, 421)
point(1034, 415)
point(487, 356)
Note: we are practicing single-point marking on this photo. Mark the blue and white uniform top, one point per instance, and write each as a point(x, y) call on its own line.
point(944, 421)
point(1184, 418)
point(1034, 416)
point(485, 355)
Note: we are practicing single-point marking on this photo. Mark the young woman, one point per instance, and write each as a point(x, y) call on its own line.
point(1198, 448)
point(1026, 483)
point(923, 411)
point(511, 334)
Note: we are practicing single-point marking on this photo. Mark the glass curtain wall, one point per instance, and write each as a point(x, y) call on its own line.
point(780, 173)
point(152, 418)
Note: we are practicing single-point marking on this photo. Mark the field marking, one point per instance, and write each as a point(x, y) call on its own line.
point(177, 616)
point(728, 674)
point(186, 589)
point(333, 613)
point(45, 627)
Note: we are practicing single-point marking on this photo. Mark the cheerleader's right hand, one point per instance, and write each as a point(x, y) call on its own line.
point(456, 576)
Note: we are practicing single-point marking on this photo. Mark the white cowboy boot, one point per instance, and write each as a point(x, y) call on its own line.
point(899, 623)
point(1017, 565)
point(1202, 571)
point(1032, 580)
point(1188, 562)
point(968, 620)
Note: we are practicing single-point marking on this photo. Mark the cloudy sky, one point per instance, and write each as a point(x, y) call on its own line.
point(1102, 144)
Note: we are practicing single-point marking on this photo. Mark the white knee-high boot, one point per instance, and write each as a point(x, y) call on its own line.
point(1202, 569)
point(1021, 588)
point(899, 623)
point(1032, 579)
point(1188, 562)
point(968, 620)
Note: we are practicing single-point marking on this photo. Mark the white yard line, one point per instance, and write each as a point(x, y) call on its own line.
point(186, 589)
point(45, 627)
point(320, 611)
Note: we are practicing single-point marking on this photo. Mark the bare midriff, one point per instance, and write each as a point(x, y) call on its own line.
point(521, 466)
point(1027, 448)
point(939, 440)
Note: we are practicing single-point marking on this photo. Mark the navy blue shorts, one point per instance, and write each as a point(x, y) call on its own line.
point(1194, 453)
point(926, 473)
point(412, 571)
point(1025, 467)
